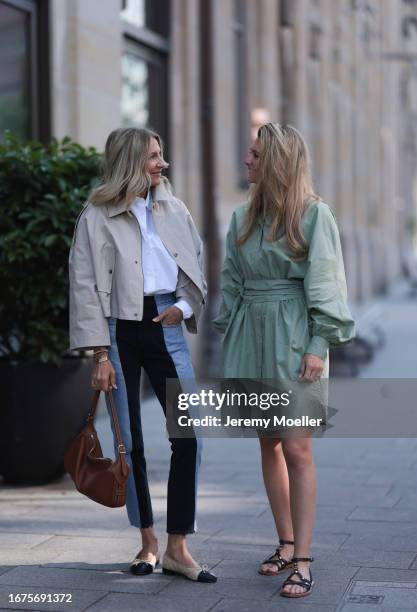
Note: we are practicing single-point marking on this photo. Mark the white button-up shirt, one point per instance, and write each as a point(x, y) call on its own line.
point(160, 271)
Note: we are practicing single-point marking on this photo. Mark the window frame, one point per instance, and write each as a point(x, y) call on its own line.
point(152, 47)
point(240, 32)
point(158, 107)
point(38, 67)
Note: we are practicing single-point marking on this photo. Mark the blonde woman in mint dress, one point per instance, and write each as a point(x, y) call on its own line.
point(284, 303)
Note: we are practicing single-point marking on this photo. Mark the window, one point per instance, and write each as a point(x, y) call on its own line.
point(135, 74)
point(144, 64)
point(24, 73)
point(149, 14)
point(144, 88)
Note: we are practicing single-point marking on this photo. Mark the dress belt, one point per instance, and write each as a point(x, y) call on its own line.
point(271, 290)
point(265, 290)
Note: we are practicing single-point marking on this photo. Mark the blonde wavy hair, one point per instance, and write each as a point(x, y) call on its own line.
point(125, 175)
point(284, 188)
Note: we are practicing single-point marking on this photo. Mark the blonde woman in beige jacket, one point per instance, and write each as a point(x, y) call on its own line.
point(135, 274)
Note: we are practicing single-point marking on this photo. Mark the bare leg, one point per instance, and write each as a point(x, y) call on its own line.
point(177, 549)
point(298, 454)
point(275, 473)
point(149, 548)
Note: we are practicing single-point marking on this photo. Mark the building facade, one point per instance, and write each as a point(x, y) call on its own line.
point(205, 73)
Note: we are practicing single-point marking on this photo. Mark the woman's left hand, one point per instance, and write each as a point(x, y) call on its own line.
point(170, 316)
point(312, 368)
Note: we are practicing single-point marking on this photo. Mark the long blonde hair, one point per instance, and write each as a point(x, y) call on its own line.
point(284, 187)
point(125, 175)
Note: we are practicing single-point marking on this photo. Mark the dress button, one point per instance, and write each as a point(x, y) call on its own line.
point(136, 314)
point(136, 261)
point(110, 271)
point(175, 254)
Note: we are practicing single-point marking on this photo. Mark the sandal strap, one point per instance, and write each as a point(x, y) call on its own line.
point(306, 559)
point(280, 562)
point(282, 542)
point(305, 583)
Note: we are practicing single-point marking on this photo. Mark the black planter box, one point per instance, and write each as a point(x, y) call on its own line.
point(42, 408)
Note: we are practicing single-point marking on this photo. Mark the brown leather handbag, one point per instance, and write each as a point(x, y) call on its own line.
point(102, 480)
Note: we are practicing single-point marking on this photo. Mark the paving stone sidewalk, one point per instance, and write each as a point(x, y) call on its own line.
point(52, 540)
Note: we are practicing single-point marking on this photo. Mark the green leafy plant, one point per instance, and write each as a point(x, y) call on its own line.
point(42, 190)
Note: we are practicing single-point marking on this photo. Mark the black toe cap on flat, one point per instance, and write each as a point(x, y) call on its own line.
point(141, 569)
point(205, 576)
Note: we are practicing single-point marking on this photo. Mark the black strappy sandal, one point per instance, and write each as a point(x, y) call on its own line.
point(281, 563)
point(305, 583)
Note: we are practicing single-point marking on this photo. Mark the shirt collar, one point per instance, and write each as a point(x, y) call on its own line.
point(155, 194)
point(149, 200)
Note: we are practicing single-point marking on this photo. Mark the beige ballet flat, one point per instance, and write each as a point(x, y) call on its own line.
point(198, 574)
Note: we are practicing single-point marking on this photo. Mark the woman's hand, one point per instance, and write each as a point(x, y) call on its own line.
point(312, 368)
point(171, 316)
point(104, 376)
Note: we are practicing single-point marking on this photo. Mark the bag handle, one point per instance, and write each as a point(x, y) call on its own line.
point(91, 415)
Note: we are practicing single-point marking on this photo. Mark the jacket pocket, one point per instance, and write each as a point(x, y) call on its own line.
point(105, 278)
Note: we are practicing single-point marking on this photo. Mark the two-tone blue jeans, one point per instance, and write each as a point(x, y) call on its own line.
point(163, 353)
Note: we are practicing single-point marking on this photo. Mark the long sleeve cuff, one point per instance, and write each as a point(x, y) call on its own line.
point(318, 346)
point(187, 311)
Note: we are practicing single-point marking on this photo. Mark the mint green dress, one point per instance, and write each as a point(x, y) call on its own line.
point(274, 309)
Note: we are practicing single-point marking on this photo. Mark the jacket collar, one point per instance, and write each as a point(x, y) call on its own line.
point(160, 193)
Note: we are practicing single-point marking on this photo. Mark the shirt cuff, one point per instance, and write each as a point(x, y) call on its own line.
point(187, 311)
point(318, 346)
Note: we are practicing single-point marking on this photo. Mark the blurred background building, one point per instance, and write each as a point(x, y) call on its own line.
point(205, 73)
